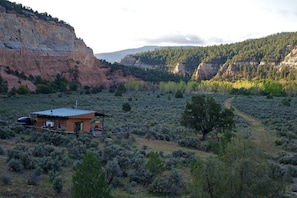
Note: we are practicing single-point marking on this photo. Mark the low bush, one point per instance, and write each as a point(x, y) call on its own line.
point(292, 170)
point(169, 185)
point(59, 155)
point(76, 164)
point(190, 142)
point(21, 153)
point(86, 139)
point(138, 132)
point(34, 178)
point(53, 174)
point(48, 164)
point(185, 158)
point(179, 94)
point(286, 102)
point(113, 171)
point(76, 150)
point(15, 165)
point(58, 184)
point(6, 133)
point(126, 107)
point(41, 150)
point(1, 151)
point(292, 160)
point(50, 138)
point(5, 179)
point(171, 163)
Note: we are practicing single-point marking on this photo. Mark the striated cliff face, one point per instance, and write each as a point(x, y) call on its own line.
point(130, 60)
point(291, 59)
point(46, 48)
point(205, 71)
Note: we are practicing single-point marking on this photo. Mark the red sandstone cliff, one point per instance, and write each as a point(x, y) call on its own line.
point(46, 48)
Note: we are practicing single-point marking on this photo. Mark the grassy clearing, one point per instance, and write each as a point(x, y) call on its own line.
point(166, 147)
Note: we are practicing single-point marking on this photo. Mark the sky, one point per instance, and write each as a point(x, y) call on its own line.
point(113, 25)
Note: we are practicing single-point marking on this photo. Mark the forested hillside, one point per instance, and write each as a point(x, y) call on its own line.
point(244, 60)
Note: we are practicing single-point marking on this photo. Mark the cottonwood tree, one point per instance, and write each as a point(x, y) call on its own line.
point(241, 170)
point(204, 115)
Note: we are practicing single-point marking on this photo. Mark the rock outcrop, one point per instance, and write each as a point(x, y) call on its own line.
point(291, 59)
point(130, 60)
point(205, 71)
point(39, 47)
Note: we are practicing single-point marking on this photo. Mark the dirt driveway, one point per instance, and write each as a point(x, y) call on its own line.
point(260, 135)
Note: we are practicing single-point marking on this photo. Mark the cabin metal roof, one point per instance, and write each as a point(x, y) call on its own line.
point(62, 112)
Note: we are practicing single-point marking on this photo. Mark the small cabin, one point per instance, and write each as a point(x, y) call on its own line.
point(68, 119)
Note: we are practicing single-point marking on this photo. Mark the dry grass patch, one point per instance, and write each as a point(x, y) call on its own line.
point(260, 135)
point(166, 147)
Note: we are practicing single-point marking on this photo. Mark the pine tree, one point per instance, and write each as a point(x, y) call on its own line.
point(89, 180)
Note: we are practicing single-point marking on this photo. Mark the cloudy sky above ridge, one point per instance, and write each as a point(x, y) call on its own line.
point(112, 25)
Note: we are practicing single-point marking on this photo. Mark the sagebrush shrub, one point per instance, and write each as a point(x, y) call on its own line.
point(15, 165)
point(86, 140)
point(190, 142)
point(48, 164)
point(109, 152)
point(1, 151)
point(167, 184)
point(113, 171)
point(183, 157)
point(76, 164)
point(58, 184)
point(76, 150)
point(21, 153)
point(5, 179)
point(33, 179)
point(6, 133)
point(53, 174)
point(50, 138)
point(126, 107)
point(42, 149)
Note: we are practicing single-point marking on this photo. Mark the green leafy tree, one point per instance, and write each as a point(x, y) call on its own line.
point(121, 89)
point(274, 88)
point(60, 83)
point(89, 180)
point(3, 85)
point(241, 170)
point(44, 88)
point(155, 164)
point(179, 94)
point(126, 107)
point(23, 90)
point(204, 115)
point(207, 178)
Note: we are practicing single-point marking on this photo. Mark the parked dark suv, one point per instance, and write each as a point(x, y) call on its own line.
point(25, 121)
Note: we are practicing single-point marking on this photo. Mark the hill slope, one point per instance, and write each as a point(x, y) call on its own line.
point(273, 57)
point(119, 55)
point(35, 44)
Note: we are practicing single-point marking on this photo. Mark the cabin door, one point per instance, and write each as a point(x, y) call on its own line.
point(77, 128)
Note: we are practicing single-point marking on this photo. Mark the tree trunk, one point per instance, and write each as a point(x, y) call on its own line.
point(204, 135)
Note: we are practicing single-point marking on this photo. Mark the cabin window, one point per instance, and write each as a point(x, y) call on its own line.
point(49, 123)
